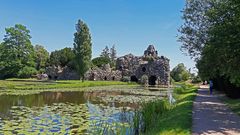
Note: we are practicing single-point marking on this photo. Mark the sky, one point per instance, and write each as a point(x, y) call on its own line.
point(130, 25)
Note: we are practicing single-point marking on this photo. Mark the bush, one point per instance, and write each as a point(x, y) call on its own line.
point(42, 70)
point(196, 79)
point(144, 79)
point(100, 61)
point(27, 72)
point(125, 79)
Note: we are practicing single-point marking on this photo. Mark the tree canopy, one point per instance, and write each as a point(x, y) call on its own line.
point(180, 73)
point(211, 30)
point(16, 51)
point(63, 57)
point(42, 57)
point(100, 61)
point(82, 48)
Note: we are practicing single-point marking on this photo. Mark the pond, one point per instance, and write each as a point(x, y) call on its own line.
point(107, 110)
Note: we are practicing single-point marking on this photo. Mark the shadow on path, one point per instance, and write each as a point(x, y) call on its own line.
point(211, 116)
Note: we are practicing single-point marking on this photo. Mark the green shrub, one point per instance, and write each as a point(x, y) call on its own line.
point(196, 79)
point(100, 61)
point(144, 79)
point(27, 72)
point(125, 79)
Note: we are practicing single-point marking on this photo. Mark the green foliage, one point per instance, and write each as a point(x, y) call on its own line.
point(144, 79)
point(26, 72)
point(16, 51)
point(149, 58)
point(42, 57)
point(152, 110)
point(110, 54)
point(211, 30)
point(159, 117)
point(82, 48)
point(113, 56)
point(105, 53)
point(196, 79)
point(125, 79)
point(31, 84)
point(63, 57)
point(234, 104)
point(100, 61)
point(194, 31)
point(180, 73)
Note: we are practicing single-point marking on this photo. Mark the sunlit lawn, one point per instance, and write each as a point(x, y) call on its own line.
point(33, 84)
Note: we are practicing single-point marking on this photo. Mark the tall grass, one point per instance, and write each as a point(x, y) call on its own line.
point(160, 117)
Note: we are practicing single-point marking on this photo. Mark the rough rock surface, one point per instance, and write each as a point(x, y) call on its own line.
point(65, 73)
point(104, 73)
point(156, 68)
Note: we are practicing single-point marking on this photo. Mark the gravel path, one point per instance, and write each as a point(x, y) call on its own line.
point(212, 117)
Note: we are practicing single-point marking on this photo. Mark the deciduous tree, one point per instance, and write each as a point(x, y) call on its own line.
point(16, 51)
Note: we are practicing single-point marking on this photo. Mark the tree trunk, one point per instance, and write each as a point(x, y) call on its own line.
point(83, 78)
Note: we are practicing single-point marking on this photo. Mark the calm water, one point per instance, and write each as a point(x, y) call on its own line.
point(60, 112)
point(66, 113)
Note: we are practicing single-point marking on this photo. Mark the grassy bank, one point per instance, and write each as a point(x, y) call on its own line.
point(165, 119)
point(31, 84)
point(234, 104)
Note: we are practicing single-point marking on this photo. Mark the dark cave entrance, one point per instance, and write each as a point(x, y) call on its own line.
point(133, 79)
point(152, 80)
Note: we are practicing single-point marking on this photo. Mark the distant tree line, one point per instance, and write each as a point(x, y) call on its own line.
point(19, 58)
point(106, 57)
point(211, 35)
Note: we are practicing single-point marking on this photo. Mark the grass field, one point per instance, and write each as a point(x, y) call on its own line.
point(177, 119)
point(31, 84)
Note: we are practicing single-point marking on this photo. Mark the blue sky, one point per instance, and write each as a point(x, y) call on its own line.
point(129, 24)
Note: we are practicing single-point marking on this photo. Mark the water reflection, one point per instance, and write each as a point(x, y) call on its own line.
point(60, 112)
point(90, 112)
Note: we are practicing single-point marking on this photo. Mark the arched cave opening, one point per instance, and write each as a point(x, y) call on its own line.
point(105, 78)
point(152, 80)
point(133, 78)
point(113, 78)
point(144, 69)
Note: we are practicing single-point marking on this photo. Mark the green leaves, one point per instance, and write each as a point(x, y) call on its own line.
point(41, 57)
point(180, 73)
point(100, 61)
point(16, 51)
point(82, 48)
point(63, 57)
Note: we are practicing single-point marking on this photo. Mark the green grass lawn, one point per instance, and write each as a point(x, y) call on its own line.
point(177, 120)
point(234, 104)
point(32, 84)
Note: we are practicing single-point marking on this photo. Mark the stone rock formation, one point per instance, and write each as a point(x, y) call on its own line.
point(150, 64)
point(65, 73)
point(156, 68)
